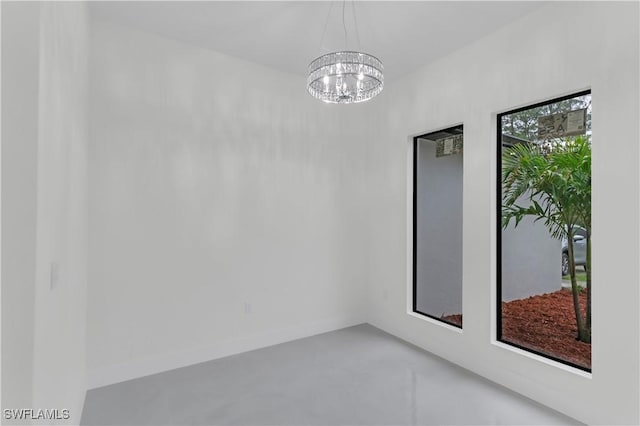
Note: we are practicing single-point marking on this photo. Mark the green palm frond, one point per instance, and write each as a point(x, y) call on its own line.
point(554, 181)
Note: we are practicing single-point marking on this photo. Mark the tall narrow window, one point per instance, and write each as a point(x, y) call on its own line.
point(437, 225)
point(544, 229)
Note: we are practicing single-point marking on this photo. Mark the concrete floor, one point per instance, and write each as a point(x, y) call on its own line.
point(355, 376)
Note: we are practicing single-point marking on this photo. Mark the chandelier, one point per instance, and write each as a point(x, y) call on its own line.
point(345, 77)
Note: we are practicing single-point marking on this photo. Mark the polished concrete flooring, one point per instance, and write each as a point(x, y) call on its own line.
point(355, 376)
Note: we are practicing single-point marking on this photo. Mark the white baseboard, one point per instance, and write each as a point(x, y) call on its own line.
point(137, 368)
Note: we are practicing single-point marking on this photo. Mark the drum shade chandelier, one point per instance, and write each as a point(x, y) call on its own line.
point(345, 77)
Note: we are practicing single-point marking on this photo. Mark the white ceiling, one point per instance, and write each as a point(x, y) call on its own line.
point(287, 35)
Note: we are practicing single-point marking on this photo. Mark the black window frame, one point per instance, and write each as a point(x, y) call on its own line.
point(414, 288)
point(499, 148)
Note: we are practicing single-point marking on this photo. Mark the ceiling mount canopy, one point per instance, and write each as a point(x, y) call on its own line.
point(345, 77)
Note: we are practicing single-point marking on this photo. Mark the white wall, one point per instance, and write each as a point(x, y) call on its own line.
point(556, 50)
point(60, 312)
point(44, 205)
point(20, 44)
point(439, 252)
point(531, 259)
point(222, 215)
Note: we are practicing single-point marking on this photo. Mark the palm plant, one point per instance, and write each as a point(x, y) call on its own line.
point(554, 183)
point(581, 176)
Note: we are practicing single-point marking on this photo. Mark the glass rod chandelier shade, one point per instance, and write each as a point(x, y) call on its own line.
point(345, 77)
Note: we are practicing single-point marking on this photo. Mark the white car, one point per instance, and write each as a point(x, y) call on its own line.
point(579, 250)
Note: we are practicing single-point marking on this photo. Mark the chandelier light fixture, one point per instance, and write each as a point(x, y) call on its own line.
point(345, 77)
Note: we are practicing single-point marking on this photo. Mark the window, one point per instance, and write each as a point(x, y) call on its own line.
point(544, 229)
point(437, 225)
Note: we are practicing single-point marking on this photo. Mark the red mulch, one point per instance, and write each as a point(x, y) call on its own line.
point(544, 323)
point(453, 319)
point(547, 323)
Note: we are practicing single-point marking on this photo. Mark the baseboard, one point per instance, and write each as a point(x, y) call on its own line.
point(134, 369)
